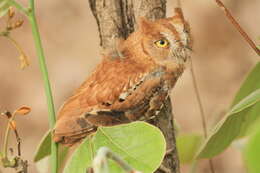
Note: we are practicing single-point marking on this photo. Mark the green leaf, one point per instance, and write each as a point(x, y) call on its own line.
point(81, 158)
point(188, 145)
point(229, 127)
point(251, 84)
point(44, 148)
point(140, 144)
point(62, 154)
point(43, 165)
point(252, 153)
point(4, 6)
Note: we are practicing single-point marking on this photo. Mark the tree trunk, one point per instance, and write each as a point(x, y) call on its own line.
point(117, 19)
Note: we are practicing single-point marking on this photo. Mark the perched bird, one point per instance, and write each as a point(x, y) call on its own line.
point(132, 81)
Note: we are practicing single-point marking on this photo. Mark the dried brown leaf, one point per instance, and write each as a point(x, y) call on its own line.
point(17, 24)
point(11, 12)
point(24, 61)
point(24, 110)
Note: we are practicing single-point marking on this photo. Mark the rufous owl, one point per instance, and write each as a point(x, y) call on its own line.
point(132, 81)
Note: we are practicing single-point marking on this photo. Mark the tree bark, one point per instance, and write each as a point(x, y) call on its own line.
point(117, 19)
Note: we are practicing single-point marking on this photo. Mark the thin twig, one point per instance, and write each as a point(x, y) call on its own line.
point(17, 162)
point(202, 113)
point(10, 118)
point(211, 166)
point(7, 132)
point(238, 27)
point(18, 140)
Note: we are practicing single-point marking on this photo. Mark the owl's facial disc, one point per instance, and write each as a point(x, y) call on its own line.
point(166, 40)
point(178, 49)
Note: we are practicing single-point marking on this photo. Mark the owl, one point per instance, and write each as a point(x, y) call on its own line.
point(132, 81)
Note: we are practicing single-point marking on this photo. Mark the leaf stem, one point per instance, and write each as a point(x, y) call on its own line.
point(196, 89)
point(48, 92)
point(7, 133)
point(30, 13)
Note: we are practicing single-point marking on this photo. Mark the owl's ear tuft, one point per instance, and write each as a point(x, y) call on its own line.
point(178, 14)
point(144, 25)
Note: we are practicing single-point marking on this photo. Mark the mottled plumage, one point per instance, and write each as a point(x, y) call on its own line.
point(130, 83)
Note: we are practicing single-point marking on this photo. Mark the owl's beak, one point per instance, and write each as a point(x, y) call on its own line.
point(181, 55)
point(189, 48)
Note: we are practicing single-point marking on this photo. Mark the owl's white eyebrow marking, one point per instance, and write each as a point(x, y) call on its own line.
point(179, 33)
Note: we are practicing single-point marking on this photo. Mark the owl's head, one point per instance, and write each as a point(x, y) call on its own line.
point(166, 39)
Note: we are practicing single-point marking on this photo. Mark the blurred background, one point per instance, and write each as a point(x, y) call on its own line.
point(69, 33)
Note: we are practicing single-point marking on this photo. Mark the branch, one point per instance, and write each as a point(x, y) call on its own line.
point(238, 27)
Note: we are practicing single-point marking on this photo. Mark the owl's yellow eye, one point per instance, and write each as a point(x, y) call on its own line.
point(163, 43)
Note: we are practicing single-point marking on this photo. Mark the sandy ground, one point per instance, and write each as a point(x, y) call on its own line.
point(70, 37)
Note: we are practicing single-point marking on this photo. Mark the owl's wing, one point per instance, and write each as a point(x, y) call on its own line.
point(114, 88)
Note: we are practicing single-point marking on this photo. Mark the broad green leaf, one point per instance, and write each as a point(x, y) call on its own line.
point(187, 146)
point(251, 84)
point(62, 154)
point(229, 127)
point(247, 102)
point(252, 153)
point(81, 158)
point(140, 144)
point(43, 165)
point(253, 127)
point(44, 148)
point(4, 5)
point(135, 143)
